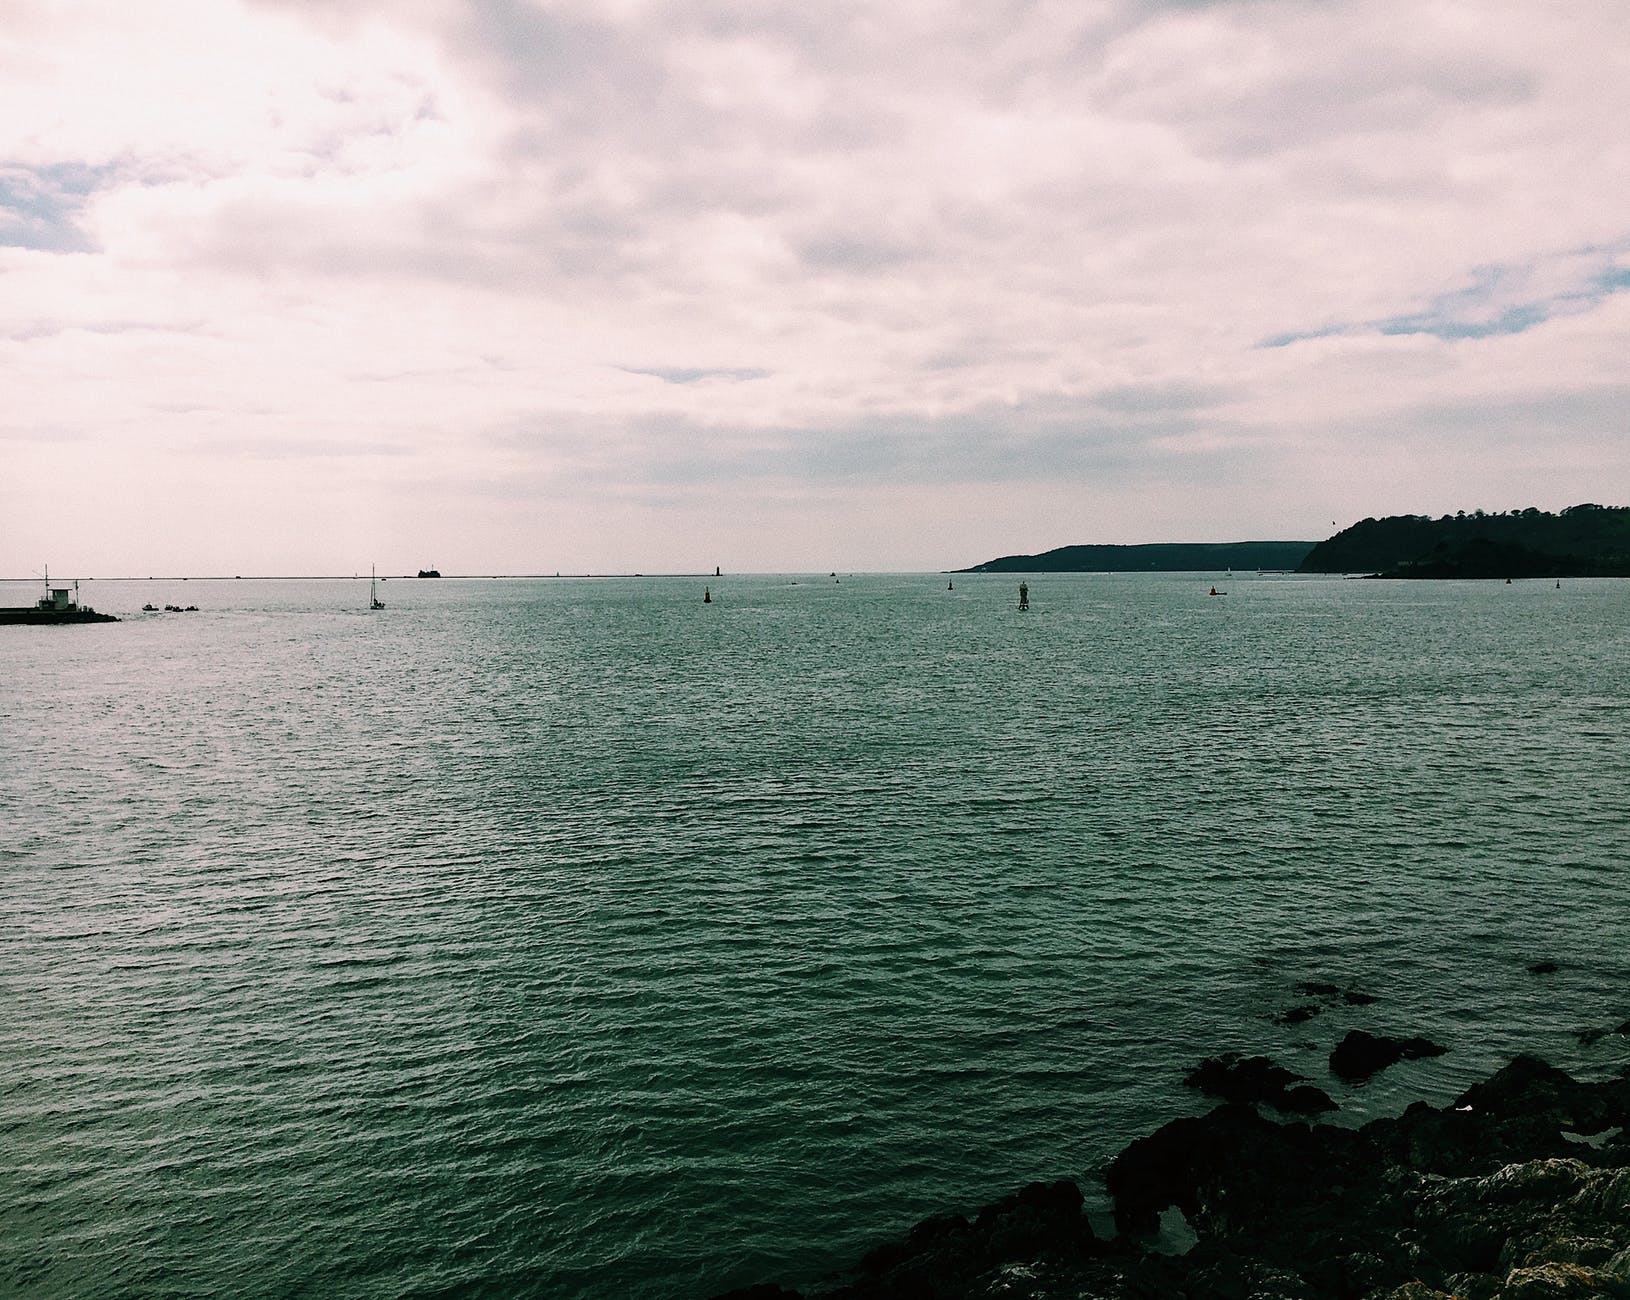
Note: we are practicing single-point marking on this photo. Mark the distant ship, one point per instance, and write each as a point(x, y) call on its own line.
point(58, 605)
point(430, 573)
point(373, 590)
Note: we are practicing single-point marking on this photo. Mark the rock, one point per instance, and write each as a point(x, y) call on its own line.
point(1360, 1054)
point(1296, 1015)
point(1305, 1099)
point(1233, 1077)
point(1256, 1079)
point(1043, 1216)
point(1247, 1279)
point(1529, 1090)
point(1561, 1282)
point(1233, 1166)
point(946, 1255)
point(1484, 1199)
point(763, 1291)
point(1328, 993)
point(1526, 1111)
point(1543, 968)
point(1176, 1164)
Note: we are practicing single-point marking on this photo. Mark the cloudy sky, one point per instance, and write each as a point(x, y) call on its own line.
point(523, 285)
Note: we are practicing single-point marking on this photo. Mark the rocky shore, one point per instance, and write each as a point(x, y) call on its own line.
point(1517, 1190)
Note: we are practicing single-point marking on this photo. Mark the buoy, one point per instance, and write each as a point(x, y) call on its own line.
point(1024, 595)
point(707, 596)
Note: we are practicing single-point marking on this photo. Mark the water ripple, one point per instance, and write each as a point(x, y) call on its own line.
point(572, 939)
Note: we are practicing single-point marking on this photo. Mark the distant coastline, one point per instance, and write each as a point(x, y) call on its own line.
point(345, 577)
point(1156, 557)
point(1582, 541)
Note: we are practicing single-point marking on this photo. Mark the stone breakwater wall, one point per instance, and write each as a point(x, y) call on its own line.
point(1517, 1190)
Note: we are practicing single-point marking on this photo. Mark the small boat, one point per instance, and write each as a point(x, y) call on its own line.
point(58, 605)
point(373, 590)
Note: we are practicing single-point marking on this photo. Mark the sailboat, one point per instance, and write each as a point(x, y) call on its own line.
point(373, 590)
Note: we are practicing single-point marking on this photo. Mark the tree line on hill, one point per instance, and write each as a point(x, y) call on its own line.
point(1159, 557)
point(1581, 541)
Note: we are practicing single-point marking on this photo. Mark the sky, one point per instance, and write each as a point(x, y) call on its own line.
point(517, 286)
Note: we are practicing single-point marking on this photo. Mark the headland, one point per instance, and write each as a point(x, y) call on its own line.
point(1583, 541)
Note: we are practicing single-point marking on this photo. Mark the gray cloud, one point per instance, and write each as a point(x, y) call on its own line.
point(963, 250)
point(693, 375)
point(1110, 436)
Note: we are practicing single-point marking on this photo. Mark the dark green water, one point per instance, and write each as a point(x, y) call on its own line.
point(577, 939)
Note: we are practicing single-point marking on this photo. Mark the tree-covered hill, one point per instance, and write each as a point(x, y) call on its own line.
point(1581, 541)
point(1175, 557)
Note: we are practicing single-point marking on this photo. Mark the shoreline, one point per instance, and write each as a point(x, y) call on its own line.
point(1518, 1189)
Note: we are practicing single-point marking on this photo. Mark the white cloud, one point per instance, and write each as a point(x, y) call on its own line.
point(640, 272)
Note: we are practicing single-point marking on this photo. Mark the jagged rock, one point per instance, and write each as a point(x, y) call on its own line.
point(1482, 1200)
point(1304, 1099)
point(1361, 1054)
point(1327, 994)
point(1232, 1167)
point(1523, 1112)
point(1247, 1279)
point(1562, 1282)
point(1231, 1077)
point(1529, 1089)
point(946, 1256)
point(1175, 1164)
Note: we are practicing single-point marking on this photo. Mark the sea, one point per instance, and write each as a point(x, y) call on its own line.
point(576, 937)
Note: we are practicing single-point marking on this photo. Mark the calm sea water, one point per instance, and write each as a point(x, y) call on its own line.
point(575, 938)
